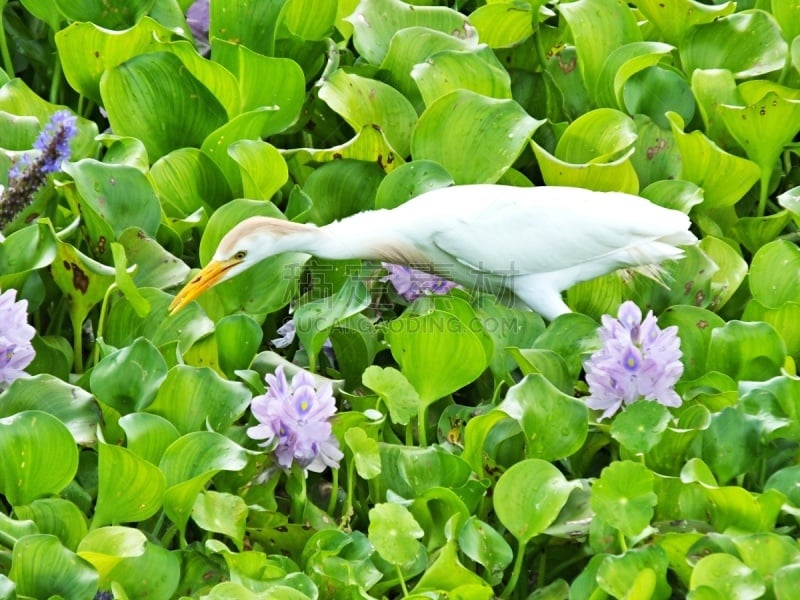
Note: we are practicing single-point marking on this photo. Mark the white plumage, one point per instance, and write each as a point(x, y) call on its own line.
point(536, 242)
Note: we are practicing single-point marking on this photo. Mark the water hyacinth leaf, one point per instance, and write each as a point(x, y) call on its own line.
point(375, 22)
point(148, 435)
point(30, 469)
point(124, 280)
point(245, 24)
point(571, 336)
point(73, 406)
point(355, 342)
point(767, 280)
point(365, 452)
point(707, 165)
point(155, 267)
point(730, 444)
point(655, 91)
point(129, 378)
point(784, 319)
point(475, 138)
point(163, 568)
point(189, 463)
point(546, 363)
point(641, 572)
point(190, 397)
point(504, 24)
point(154, 98)
point(437, 353)
point(766, 551)
point(58, 517)
point(130, 488)
point(482, 543)
point(365, 102)
point(439, 511)
point(674, 19)
point(728, 575)
point(598, 29)
point(238, 339)
point(785, 582)
point(341, 188)
point(414, 45)
point(448, 573)
point(714, 88)
point(554, 423)
point(411, 471)
point(400, 397)
point(263, 169)
point(309, 20)
point(315, 319)
point(186, 179)
point(24, 251)
point(529, 496)
point(640, 426)
point(755, 232)
point(41, 567)
point(763, 128)
point(54, 355)
point(717, 45)
point(622, 64)
point(114, 15)
point(694, 325)
point(623, 496)
point(394, 533)
point(221, 513)
point(746, 351)
point(448, 71)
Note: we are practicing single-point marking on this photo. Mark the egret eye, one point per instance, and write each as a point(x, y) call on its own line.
point(240, 255)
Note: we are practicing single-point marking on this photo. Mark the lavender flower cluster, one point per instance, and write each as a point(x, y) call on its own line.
point(638, 360)
point(411, 283)
point(294, 421)
point(16, 351)
point(30, 172)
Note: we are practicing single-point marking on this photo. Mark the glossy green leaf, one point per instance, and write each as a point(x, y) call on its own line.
point(57, 517)
point(43, 568)
point(409, 181)
point(186, 180)
point(475, 138)
point(163, 569)
point(365, 452)
point(482, 543)
point(655, 91)
point(622, 64)
point(152, 97)
point(640, 426)
point(31, 469)
point(310, 20)
point(529, 496)
point(767, 281)
point(114, 15)
point(375, 22)
point(694, 325)
point(106, 547)
point(191, 397)
point(623, 496)
point(400, 397)
point(748, 351)
point(437, 353)
point(148, 435)
point(707, 165)
point(729, 575)
point(128, 379)
point(155, 267)
point(598, 29)
point(717, 45)
point(221, 513)
point(448, 573)
point(341, 188)
point(730, 445)
point(24, 251)
point(393, 532)
point(502, 24)
point(129, 487)
point(639, 573)
point(366, 102)
point(264, 170)
point(675, 19)
point(555, 424)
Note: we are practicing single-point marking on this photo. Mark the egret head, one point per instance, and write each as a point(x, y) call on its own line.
point(244, 246)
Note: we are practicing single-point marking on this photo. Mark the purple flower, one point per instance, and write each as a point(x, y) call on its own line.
point(637, 360)
point(287, 333)
point(29, 173)
point(198, 18)
point(411, 283)
point(16, 351)
point(294, 421)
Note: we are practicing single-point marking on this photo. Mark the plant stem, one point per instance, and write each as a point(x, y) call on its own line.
point(334, 492)
point(7, 64)
point(77, 345)
point(762, 198)
point(402, 581)
point(422, 417)
point(512, 582)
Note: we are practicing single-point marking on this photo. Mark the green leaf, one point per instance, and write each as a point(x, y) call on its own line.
point(730, 445)
point(42, 568)
point(366, 102)
point(555, 424)
point(622, 64)
point(746, 351)
point(393, 532)
point(365, 452)
point(221, 513)
point(475, 138)
point(116, 14)
point(106, 547)
point(638, 573)
point(694, 325)
point(437, 353)
point(655, 91)
point(767, 280)
point(395, 391)
point(786, 580)
point(341, 188)
point(31, 469)
point(640, 426)
point(623, 496)
point(263, 169)
point(154, 98)
point(448, 573)
point(57, 517)
point(148, 435)
point(129, 487)
point(310, 19)
point(163, 568)
point(128, 379)
point(529, 496)
point(503, 24)
point(482, 543)
point(675, 19)
point(718, 45)
point(728, 575)
point(191, 397)
point(186, 180)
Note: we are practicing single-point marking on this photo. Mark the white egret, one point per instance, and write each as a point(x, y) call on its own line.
point(536, 242)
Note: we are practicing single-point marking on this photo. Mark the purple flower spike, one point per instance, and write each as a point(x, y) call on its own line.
point(294, 421)
point(412, 283)
point(638, 360)
point(16, 351)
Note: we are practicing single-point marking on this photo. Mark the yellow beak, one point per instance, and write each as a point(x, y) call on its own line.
point(207, 278)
